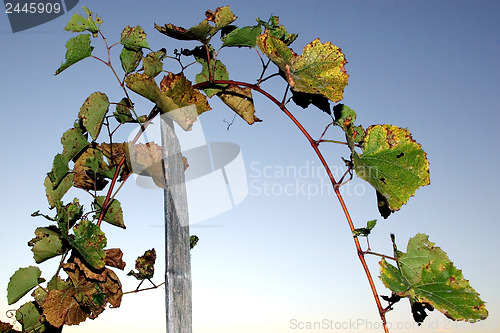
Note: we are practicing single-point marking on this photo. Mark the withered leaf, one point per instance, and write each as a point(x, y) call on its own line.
point(145, 265)
point(114, 258)
point(84, 295)
point(181, 91)
point(240, 101)
point(86, 170)
point(146, 160)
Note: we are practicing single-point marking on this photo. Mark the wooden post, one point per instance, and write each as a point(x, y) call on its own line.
point(178, 261)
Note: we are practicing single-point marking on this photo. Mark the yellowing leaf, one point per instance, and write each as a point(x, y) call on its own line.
point(146, 86)
point(393, 163)
point(181, 91)
point(92, 113)
point(55, 192)
point(89, 241)
point(79, 23)
point(114, 213)
point(134, 38)
point(319, 70)
point(240, 101)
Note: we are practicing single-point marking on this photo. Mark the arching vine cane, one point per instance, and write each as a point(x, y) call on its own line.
point(385, 156)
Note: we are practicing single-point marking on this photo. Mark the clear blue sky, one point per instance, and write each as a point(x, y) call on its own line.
point(431, 66)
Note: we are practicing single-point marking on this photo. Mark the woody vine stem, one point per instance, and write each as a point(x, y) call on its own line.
point(335, 184)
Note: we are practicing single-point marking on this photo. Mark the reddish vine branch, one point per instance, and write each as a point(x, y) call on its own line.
point(119, 167)
point(314, 145)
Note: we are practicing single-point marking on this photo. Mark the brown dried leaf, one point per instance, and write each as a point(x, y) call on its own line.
point(114, 258)
point(88, 271)
point(147, 161)
point(60, 307)
point(7, 328)
point(114, 153)
point(84, 295)
point(84, 176)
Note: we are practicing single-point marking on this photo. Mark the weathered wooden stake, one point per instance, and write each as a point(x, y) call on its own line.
point(178, 262)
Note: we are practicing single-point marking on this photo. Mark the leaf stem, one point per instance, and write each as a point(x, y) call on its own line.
point(138, 290)
point(332, 141)
point(381, 255)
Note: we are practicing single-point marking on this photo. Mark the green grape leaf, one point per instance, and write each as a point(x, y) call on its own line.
point(365, 231)
point(153, 62)
point(122, 112)
point(193, 240)
point(344, 118)
point(134, 38)
point(130, 59)
point(146, 86)
point(274, 29)
point(203, 31)
point(427, 276)
point(73, 142)
point(92, 113)
point(319, 70)
point(114, 214)
point(39, 294)
point(393, 163)
point(217, 68)
point(90, 242)
point(242, 37)
point(31, 319)
point(145, 266)
point(21, 282)
point(78, 48)
point(79, 23)
point(46, 244)
point(56, 192)
point(181, 91)
point(240, 101)
point(68, 215)
point(59, 169)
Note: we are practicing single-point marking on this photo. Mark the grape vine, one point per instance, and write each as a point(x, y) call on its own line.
point(385, 156)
